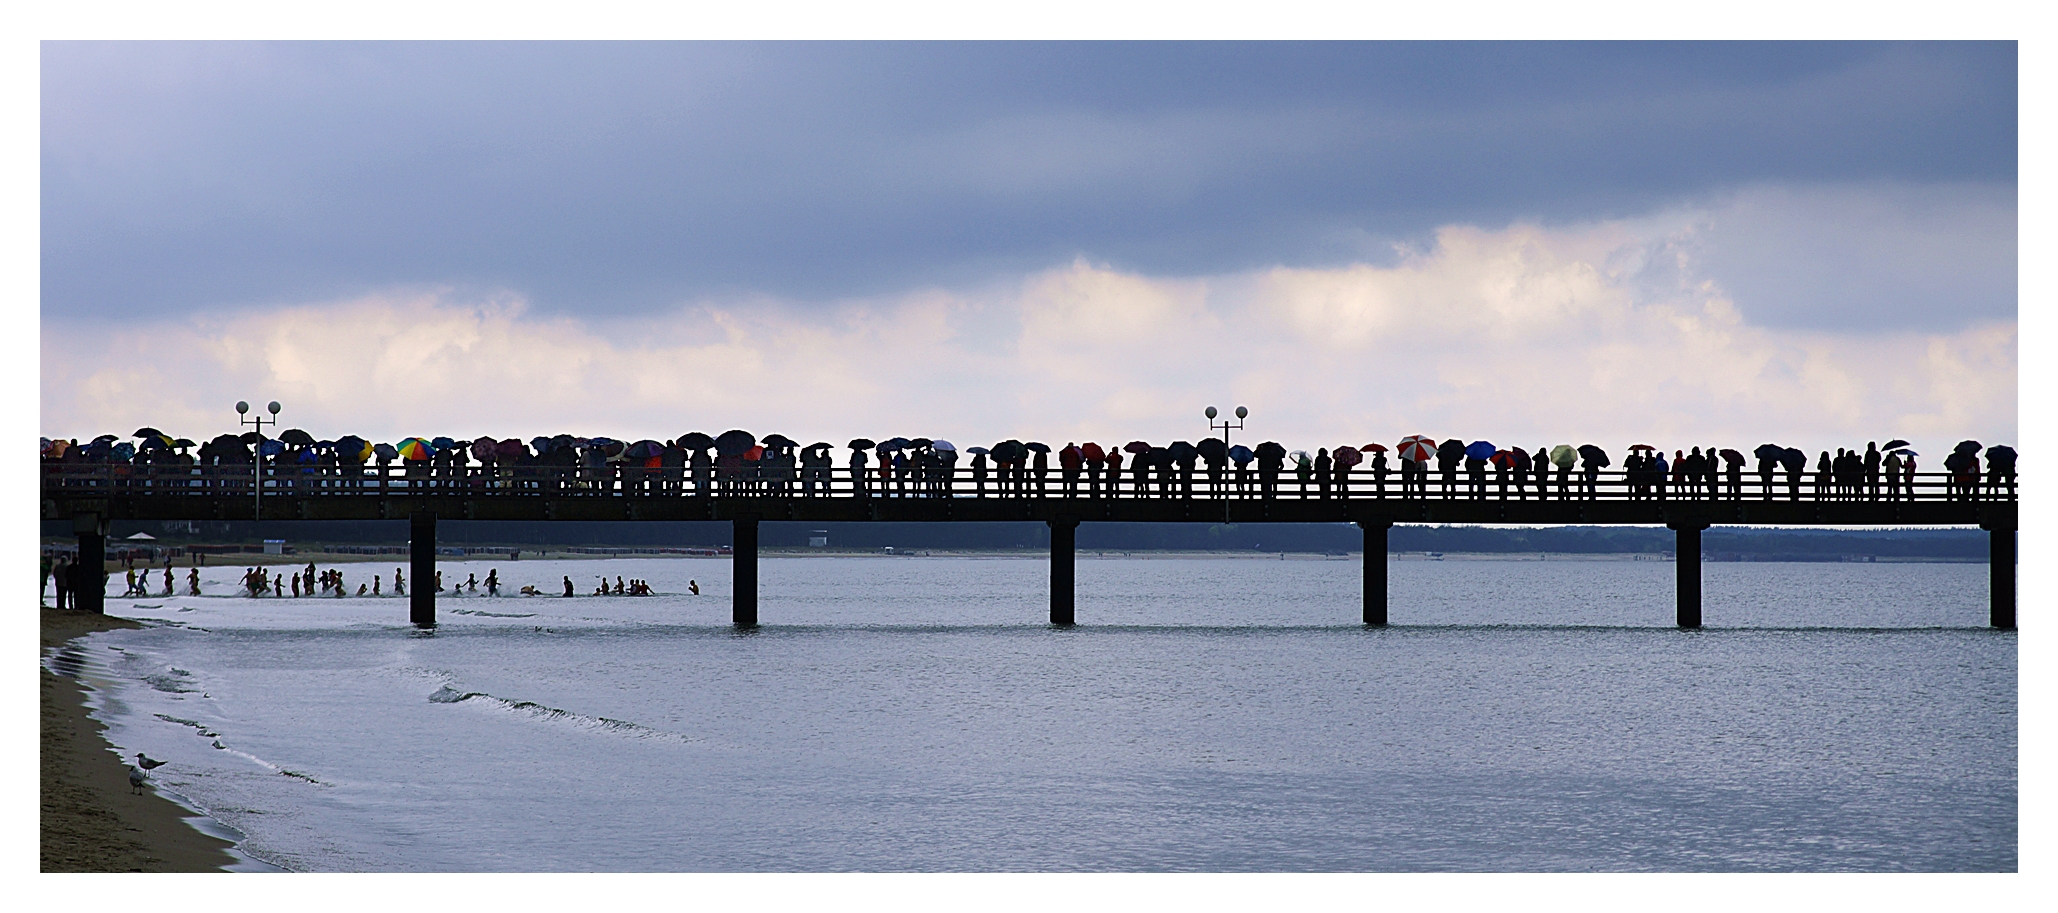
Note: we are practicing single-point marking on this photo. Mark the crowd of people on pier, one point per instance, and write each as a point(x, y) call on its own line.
point(739, 463)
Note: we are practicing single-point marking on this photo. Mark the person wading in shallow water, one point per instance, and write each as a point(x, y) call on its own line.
point(568, 585)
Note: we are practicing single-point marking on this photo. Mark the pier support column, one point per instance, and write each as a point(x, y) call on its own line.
point(1375, 569)
point(89, 591)
point(1688, 564)
point(2001, 568)
point(1063, 538)
point(421, 568)
point(743, 573)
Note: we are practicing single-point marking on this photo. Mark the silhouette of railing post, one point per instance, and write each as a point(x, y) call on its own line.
point(421, 568)
point(89, 594)
point(743, 563)
point(2001, 574)
point(1375, 569)
point(1063, 536)
point(1687, 561)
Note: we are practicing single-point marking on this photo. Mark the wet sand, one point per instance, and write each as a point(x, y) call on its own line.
point(90, 820)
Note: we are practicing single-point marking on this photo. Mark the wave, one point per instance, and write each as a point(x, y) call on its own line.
point(448, 694)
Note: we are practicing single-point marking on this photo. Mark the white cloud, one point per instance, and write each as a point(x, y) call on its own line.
point(1522, 335)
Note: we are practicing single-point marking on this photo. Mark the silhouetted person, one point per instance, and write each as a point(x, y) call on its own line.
point(1448, 456)
point(1379, 473)
point(1323, 465)
point(1070, 460)
point(1872, 464)
point(2001, 470)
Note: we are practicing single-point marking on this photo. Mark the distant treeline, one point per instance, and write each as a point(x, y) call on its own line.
point(1734, 543)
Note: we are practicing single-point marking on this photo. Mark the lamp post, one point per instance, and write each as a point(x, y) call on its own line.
point(1225, 426)
point(243, 417)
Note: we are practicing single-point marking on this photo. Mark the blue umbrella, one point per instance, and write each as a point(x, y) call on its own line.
point(124, 451)
point(1240, 454)
point(442, 443)
point(1480, 450)
point(271, 448)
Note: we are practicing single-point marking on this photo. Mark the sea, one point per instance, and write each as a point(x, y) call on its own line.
point(916, 713)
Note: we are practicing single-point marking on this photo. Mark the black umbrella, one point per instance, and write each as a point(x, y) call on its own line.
point(1270, 450)
point(147, 431)
point(1966, 447)
point(896, 443)
point(1793, 459)
point(252, 437)
point(862, 443)
point(776, 441)
point(1182, 451)
point(1212, 450)
point(1896, 442)
point(694, 440)
point(1769, 452)
point(734, 442)
point(920, 442)
point(299, 438)
point(1009, 450)
point(385, 451)
point(182, 443)
point(1036, 447)
point(1594, 455)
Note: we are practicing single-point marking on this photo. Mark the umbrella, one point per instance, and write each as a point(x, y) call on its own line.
point(2000, 450)
point(1240, 455)
point(920, 442)
point(542, 444)
point(1641, 447)
point(643, 450)
point(1966, 447)
point(271, 448)
point(306, 456)
point(147, 431)
point(105, 437)
point(1503, 459)
point(485, 446)
point(512, 449)
point(778, 442)
point(1793, 459)
point(145, 537)
point(1092, 452)
point(734, 443)
point(1136, 447)
point(1009, 450)
point(1769, 452)
point(1896, 442)
point(1213, 450)
point(1732, 457)
point(1269, 450)
point(1300, 456)
point(443, 443)
point(386, 451)
point(154, 442)
point(1594, 455)
point(1036, 447)
point(755, 453)
point(1563, 456)
point(124, 451)
point(1373, 448)
point(1182, 451)
point(945, 446)
point(1906, 452)
point(977, 450)
point(896, 443)
point(251, 437)
point(1348, 457)
point(862, 443)
point(299, 438)
point(1417, 448)
point(414, 448)
point(1480, 450)
point(695, 440)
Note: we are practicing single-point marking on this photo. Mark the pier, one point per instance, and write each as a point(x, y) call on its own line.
point(90, 496)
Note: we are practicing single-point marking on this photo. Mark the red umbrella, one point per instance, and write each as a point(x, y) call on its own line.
point(1092, 452)
point(1641, 447)
point(1348, 457)
point(1418, 448)
point(1373, 448)
point(1136, 447)
point(1504, 459)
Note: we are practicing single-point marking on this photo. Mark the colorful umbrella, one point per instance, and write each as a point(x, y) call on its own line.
point(1348, 457)
point(1418, 448)
point(414, 448)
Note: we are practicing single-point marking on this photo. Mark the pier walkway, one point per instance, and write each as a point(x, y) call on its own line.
point(91, 495)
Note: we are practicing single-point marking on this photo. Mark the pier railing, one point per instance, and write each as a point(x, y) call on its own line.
point(1357, 484)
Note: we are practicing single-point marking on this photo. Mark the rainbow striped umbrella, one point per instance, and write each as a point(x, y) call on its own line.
point(415, 448)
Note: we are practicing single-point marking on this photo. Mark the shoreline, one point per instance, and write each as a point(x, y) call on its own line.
point(90, 821)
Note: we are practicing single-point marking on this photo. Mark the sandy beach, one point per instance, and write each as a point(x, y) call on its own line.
point(91, 822)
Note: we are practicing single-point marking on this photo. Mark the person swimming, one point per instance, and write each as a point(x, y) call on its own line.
point(693, 586)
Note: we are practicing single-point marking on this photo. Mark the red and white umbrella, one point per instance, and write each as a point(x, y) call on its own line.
point(1418, 448)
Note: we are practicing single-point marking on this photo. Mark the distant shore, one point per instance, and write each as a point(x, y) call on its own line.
point(91, 822)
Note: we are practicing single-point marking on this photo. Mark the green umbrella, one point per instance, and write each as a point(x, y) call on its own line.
point(1564, 456)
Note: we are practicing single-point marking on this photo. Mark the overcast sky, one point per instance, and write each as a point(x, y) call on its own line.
point(634, 239)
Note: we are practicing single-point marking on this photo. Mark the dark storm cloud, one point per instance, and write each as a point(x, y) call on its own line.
point(615, 178)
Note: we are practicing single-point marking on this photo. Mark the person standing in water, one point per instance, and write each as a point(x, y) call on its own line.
point(568, 584)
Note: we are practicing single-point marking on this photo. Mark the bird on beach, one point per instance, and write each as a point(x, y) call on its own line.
point(136, 781)
point(147, 763)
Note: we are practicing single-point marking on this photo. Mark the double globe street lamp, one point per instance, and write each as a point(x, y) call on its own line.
point(243, 417)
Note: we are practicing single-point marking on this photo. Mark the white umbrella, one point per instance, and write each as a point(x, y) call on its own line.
point(142, 536)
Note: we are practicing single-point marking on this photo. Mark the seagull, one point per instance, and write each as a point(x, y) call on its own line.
point(136, 780)
point(147, 763)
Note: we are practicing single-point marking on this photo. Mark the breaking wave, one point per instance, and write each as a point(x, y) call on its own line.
point(532, 710)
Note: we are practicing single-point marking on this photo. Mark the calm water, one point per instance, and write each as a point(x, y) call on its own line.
point(1207, 714)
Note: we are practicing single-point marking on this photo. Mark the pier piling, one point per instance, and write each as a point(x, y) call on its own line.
point(743, 608)
point(1375, 569)
point(2001, 571)
point(421, 568)
point(1063, 538)
point(1688, 564)
point(90, 593)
